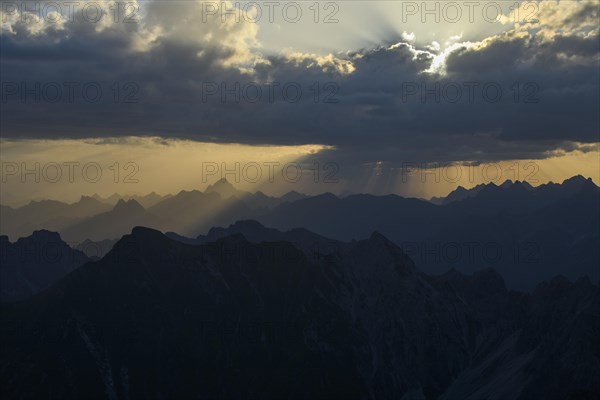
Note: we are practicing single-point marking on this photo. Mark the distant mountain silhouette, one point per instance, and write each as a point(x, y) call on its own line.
point(527, 234)
point(523, 191)
point(257, 200)
point(292, 196)
point(215, 206)
point(192, 212)
point(111, 224)
point(156, 318)
point(225, 189)
point(146, 201)
point(34, 263)
point(46, 214)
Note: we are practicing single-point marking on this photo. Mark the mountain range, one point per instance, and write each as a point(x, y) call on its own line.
point(35, 263)
point(159, 318)
point(528, 234)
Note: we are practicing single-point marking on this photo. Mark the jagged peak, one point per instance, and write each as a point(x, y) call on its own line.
point(578, 182)
point(222, 188)
point(526, 185)
point(223, 182)
point(490, 188)
point(576, 179)
point(129, 205)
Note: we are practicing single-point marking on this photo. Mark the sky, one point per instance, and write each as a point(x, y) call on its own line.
point(357, 95)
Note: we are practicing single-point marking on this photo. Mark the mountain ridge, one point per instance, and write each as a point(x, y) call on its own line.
point(349, 325)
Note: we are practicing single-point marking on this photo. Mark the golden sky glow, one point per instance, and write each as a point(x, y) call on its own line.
point(147, 165)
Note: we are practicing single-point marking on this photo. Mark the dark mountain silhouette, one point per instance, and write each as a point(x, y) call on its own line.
point(548, 192)
point(569, 187)
point(309, 243)
point(515, 230)
point(95, 250)
point(514, 198)
point(517, 197)
point(34, 263)
point(356, 216)
point(531, 246)
point(156, 318)
point(460, 194)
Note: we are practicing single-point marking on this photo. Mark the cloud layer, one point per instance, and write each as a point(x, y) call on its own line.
point(177, 72)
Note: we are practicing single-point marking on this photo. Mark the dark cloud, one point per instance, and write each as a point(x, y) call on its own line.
point(383, 104)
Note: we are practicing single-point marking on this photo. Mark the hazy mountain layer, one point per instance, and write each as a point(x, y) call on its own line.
point(527, 234)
